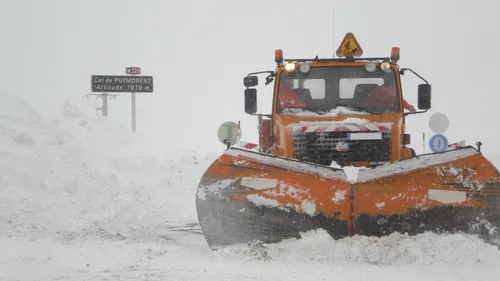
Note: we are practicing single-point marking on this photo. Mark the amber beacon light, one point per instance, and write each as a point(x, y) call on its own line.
point(395, 54)
point(278, 56)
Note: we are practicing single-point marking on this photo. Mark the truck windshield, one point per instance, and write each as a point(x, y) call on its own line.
point(337, 90)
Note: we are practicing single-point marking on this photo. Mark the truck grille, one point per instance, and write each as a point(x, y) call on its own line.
point(321, 148)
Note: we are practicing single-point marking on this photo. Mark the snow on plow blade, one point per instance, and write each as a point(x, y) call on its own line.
point(246, 196)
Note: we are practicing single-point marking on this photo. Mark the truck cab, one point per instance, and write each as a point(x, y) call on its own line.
point(345, 110)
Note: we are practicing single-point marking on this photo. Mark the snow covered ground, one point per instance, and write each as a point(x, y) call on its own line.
point(82, 198)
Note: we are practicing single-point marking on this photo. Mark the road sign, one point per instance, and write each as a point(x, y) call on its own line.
point(228, 133)
point(349, 47)
point(438, 143)
point(122, 83)
point(439, 123)
point(133, 70)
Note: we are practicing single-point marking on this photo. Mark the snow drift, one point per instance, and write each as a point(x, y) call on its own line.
point(81, 175)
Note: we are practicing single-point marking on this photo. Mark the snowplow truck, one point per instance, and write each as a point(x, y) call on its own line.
point(326, 116)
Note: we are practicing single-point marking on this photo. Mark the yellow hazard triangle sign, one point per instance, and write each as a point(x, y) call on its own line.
point(349, 47)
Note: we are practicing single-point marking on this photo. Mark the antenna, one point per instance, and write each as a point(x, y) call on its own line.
point(333, 31)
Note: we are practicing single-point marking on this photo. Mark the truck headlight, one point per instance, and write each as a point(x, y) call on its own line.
point(371, 66)
point(305, 67)
point(385, 66)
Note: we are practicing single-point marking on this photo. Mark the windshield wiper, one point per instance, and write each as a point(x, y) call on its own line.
point(355, 107)
point(318, 111)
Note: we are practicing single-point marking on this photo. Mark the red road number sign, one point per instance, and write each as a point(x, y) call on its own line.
point(133, 70)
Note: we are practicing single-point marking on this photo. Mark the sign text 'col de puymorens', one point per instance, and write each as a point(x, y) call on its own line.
point(122, 83)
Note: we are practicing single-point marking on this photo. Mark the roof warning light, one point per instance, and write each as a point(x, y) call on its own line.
point(278, 56)
point(395, 54)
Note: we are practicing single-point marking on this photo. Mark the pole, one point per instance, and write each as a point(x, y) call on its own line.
point(133, 71)
point(133, 109)
point(423, 142)
point(239, 134)
point(105, 104)
point(133, 112)
point(104, 97)
point(229, 136)
point(333, 31)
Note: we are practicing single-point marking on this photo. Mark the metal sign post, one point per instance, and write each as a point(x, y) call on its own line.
point(104, 97)
point(130, 83)
point(105, 104)
point(133, 112)
point(133, 71)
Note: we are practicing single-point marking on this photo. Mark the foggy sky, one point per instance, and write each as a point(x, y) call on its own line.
point(199, 52)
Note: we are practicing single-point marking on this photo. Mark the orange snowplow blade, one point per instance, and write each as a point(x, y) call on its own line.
point(246, 196)
point(443, 192)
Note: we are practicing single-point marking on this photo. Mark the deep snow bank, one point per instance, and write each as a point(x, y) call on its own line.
point(81, 175)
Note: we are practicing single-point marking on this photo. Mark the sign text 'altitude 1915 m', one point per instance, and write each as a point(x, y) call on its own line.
point(122, 83)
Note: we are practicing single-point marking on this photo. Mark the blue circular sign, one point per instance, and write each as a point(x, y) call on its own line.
point(438, 143)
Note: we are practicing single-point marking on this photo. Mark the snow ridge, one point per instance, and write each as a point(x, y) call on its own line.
point(81, 175)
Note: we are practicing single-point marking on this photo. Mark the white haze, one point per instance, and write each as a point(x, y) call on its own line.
point(199, 51)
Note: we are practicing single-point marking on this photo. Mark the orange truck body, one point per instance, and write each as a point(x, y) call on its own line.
point(274, 131)
point(277, 193)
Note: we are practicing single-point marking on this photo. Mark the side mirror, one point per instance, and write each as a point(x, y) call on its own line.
point(251, 81)
point(424, 96)
point(250, 101)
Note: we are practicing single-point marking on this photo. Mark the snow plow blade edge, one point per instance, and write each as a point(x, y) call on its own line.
point(447, 192)
point(247, 196)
